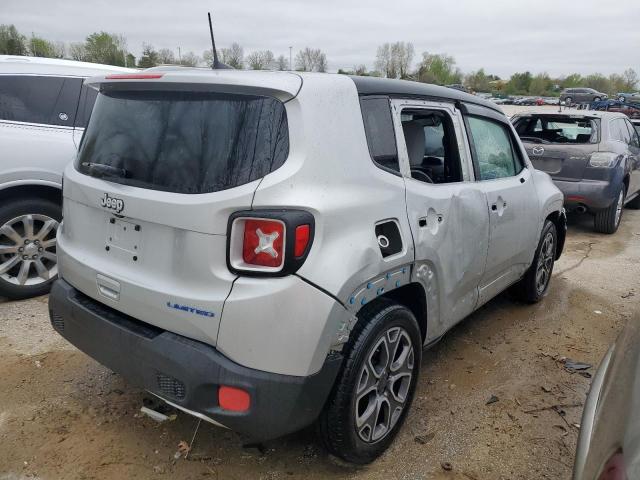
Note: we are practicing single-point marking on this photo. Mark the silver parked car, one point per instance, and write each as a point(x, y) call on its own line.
point(581, 95)
point(609, 441)
point(264, 250)
point(43, 111)
point(593, 157)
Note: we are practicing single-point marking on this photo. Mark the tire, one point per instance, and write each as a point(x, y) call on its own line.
point(596, 99)
point(621, 98)
point(568, 101)
point(28, 249)
point(344, 427)
point(535, 283)
point(608, 219)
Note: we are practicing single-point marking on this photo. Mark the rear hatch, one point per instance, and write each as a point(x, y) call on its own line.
point(159, 171)
point(560, 145)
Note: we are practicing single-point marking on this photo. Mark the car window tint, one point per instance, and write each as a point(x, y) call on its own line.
point(184, 142)
point(36, 99)
point(432, 146)
point(66, 106)
point(619, 130)
point(378, 127)
point(494, 153)
point(87, 99)
point(635, 141)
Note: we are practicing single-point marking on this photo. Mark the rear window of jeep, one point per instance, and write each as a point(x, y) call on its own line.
point(184, 142)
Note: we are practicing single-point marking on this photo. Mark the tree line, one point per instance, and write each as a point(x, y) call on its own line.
point(393, 60)
point(111, 49)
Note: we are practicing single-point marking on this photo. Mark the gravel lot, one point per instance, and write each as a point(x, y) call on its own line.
point(63, 416)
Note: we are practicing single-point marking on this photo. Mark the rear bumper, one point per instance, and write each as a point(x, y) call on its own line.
point(187, 372)
point(593, 194)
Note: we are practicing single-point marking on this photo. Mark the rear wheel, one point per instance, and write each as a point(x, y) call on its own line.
point(374, 390)
point(608, 219)
point(621, 98)
point(596, 99)
point(535, 283)
point(568, 101)
point(28, 261)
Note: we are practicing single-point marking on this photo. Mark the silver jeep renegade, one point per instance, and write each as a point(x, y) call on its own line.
point(265, 250)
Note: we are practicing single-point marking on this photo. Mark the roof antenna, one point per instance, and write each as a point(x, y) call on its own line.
point(216, 63)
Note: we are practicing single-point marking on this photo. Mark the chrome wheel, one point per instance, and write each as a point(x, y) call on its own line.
point(545, 263)
point(619, 207)
point(28, 250)
point(383, 385)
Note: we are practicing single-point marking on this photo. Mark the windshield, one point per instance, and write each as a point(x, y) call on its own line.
point(184, 142)
point(558, 129)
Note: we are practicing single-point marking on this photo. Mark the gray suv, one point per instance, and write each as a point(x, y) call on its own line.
point(264, 249)
point(581, 95)
point(593, 157)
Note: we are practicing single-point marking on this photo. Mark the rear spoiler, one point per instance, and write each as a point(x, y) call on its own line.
point(281, 85)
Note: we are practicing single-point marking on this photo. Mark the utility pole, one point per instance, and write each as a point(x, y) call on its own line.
point(290, 64)
point(179, 56)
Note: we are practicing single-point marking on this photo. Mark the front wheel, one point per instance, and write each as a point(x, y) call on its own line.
point(608, 219)
point(621, 98)
point(374, 390)
point(535, 283)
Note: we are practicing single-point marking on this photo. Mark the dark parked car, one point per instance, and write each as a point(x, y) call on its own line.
point(608, 447)
point(581, 95)
point(629, 97)
point(593, 157)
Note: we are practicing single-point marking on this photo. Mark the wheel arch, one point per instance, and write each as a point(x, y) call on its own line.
point(411, 296)
point(46, 191)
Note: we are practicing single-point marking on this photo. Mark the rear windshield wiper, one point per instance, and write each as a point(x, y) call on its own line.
point(100, 170)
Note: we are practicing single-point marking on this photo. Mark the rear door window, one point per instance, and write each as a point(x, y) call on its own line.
point(493, 148)
point(39, 99)
point(184, 142)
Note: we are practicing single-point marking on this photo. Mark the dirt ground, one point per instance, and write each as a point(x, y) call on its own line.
point(63, 416)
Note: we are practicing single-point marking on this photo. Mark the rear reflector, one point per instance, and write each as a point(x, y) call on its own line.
point(302, 239)
point(133, 76)
point(233, 399)
point(263, 243)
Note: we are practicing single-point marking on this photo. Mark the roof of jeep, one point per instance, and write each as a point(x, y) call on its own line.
point(13, 64)
point(406, 88)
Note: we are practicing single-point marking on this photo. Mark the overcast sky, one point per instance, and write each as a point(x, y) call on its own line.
point(503, 36)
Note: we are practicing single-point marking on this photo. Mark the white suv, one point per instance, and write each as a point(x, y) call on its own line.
point(43, 111)
point(265, 249)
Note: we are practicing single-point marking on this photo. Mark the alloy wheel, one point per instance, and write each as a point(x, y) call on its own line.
point(619, 207)
point(383, 385)
point(28, 250)
point(545, 263)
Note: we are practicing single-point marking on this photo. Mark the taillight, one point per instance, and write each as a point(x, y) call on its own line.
point(269, 242)
point(302, 239)
point(263, 243)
